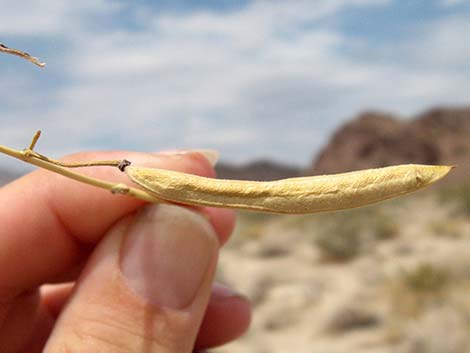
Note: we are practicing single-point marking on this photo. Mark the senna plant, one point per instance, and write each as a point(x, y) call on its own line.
point(294, 195)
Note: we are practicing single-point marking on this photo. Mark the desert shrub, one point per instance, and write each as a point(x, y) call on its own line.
point(343, 235)
point(384, 227)
point(339, 241)
point(417, 289)
point(352, 318)
point(426, 278)
point(446, 228)
point(458, 195)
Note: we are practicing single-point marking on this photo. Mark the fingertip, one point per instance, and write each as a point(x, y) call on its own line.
point(54, 297)
point(227, 317)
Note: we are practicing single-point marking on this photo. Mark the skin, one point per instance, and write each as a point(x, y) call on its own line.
point(51, 225)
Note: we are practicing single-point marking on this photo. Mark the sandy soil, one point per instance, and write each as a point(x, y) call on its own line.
point(388, 278)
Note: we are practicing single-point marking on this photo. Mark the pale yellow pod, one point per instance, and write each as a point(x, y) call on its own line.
point(293, 195)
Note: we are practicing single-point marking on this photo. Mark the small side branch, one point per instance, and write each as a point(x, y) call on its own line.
point(21, 54)
point(29, 152)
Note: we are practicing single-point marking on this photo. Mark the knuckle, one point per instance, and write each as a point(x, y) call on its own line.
point(109, 332)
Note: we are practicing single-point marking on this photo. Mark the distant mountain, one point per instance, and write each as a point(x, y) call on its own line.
point(375, 139)
point(257, 170)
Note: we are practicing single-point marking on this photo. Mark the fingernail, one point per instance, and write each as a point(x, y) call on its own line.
point(166, 255)
point(212, 156)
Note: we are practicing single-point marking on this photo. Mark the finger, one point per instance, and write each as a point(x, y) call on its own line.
point(16, 322)
point(55, 296)
point(145, 288)
point(48, 220)
point(42, 324)
point(223, 221)
point(227, 317)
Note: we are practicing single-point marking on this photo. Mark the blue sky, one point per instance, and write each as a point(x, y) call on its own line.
point(251, 79)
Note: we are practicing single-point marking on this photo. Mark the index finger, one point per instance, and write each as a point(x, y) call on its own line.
point(48, 221)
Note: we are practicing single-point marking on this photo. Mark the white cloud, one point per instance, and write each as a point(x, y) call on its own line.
point(444, 43)
point(50, 17)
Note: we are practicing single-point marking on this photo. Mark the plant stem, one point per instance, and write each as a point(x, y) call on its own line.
point(21, 54)
point(31, 157)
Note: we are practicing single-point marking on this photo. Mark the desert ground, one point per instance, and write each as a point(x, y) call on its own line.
point(389, 278)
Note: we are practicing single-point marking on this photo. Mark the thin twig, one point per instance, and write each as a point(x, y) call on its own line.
point(21, 54)
point(105, 163)
point(35, 139)
point(121, 164)
point(32, 157)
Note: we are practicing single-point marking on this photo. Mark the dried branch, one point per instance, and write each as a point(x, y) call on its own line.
point(21, 54)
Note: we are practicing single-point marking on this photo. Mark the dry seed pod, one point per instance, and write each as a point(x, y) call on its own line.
point(294, 195)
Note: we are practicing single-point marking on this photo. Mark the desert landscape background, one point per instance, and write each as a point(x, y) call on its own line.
point(281, 89)
point(393, 277)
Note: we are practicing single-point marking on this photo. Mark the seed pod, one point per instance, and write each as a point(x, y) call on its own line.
point(294, 195)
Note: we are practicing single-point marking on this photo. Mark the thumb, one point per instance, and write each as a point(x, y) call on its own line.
point(145, 288)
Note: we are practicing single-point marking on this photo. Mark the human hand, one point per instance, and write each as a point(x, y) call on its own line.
point(144, 273)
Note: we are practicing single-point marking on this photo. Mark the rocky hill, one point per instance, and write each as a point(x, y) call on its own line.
point(257, 170)
point(374, 139)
